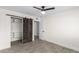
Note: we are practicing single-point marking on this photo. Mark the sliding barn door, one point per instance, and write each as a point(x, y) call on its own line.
point(27, 30)
point(30, 29)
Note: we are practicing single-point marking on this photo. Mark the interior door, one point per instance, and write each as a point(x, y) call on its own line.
point(27, 30)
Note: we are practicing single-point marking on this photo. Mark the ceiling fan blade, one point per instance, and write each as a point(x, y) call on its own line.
point(49, 8)
point(37, 8)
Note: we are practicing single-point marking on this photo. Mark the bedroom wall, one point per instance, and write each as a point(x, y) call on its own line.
point(62, 28)
point(5, 27)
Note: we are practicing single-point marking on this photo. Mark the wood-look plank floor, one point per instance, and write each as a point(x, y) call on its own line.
point(38, 46)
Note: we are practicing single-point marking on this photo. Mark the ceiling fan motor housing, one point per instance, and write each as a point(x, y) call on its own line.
point(44, 9)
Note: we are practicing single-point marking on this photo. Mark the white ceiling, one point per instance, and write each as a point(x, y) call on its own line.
point(32, 11)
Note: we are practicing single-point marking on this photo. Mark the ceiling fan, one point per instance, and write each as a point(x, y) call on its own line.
point(43, 9)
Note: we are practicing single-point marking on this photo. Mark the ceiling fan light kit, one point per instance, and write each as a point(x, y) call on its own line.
point(43, 9)
point(43, 12)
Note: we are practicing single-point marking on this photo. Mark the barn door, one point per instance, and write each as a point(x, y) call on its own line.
point(27, 30)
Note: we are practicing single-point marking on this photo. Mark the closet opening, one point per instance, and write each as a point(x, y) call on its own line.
point(16, 30)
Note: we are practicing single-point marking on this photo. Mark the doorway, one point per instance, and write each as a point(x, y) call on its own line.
point(36, 30)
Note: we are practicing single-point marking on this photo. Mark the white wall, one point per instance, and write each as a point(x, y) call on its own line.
point(4, 31)
point(5, 27)
point(62, 28)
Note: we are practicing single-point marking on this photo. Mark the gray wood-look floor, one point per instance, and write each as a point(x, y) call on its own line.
point(38, 46)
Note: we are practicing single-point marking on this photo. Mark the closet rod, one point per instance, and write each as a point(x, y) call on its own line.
point(14, 16)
